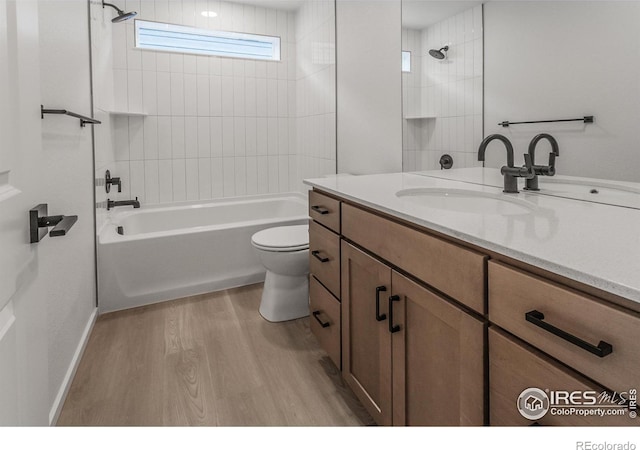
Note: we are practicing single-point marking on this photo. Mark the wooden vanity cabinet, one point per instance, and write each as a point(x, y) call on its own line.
point(324, 278)
point(410, 356)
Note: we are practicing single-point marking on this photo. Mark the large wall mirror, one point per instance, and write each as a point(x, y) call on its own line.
point(521, 61)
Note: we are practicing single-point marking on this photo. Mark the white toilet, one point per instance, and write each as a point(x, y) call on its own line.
point(284, 252)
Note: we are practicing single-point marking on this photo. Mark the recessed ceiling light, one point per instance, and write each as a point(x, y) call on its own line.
point(209, 13)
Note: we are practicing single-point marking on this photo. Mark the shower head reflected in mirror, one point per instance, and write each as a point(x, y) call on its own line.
point(122, 16)
point(439, 54)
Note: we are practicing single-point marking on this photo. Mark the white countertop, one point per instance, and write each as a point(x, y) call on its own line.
point(592, 243)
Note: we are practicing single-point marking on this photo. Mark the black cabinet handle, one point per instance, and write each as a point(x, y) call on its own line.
point(316, 253)
point(322, 324)
point(537, 318)
point(379, 317)
point(393, 328)
point(320, 209)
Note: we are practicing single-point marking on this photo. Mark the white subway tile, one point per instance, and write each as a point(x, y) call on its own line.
point(164, 137)
point(177, 63)
point(215, 65)
point(250, 68)
point(164, 93)
point(249, 21)
point(119, 42)
point(228, 145)
point(204, 137)
point(226, 67)
point(134, 57)
point(203, 96)
point(177, 138)
point(229, 177)
point(121, 169)
point(121, 80)
point(238, 17)
point(251, 136)
point(150, 131)
point(227, 96)
point(163, 62)
point(295, 183)
point(217, 177)
point(191, 136)
point(189, 13)
point(240, 176)
point(262, 136)
point(272, 98)
point(260, 21)
point(263, 174)
point(283, 100)
point(272, 136)
point(190, 64)
point(238, 68)
point(274, 183)
point(477, 95)
point(239, 131)
point(204, 178)
point(238, 97)
point(283, 136)
point(136, 172)
point(250, 97)
point(271, 25)
point(136, 138)
point(283, 173)
point(215, 129)
point(190, 95)
point(165, 172)
point(179, 180)
point(177, 94)
point(203, 65)
point(149, 93)
point(192, 180)
point(120, 126)
point(151, 182)
point(261, 97)
point(252, 175)
point(215, 96)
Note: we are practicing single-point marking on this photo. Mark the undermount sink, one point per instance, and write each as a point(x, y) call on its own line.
point(465, 201)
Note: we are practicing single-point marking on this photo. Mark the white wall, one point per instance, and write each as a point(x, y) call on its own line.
point(67, 149)
point(315, 90)
point(369, 91)
point(552, 60)
point(448, 92)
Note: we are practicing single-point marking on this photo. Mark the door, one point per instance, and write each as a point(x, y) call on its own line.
point(23, 313)
point(438, 369)
point(366, 346)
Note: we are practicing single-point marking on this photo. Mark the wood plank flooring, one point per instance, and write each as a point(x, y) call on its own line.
point(207, 360)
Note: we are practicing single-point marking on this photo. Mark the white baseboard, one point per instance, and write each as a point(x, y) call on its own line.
point(56, 408)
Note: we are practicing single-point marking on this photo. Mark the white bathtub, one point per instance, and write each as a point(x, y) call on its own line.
point(177, 250)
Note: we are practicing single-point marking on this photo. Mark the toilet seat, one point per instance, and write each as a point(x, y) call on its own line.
point(282, 239)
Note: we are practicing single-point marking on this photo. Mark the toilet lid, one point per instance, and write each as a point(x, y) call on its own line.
point(282, 239)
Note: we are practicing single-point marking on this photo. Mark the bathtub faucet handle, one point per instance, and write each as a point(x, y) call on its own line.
point(109, 181)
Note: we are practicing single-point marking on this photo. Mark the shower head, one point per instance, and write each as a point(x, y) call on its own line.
point(122, 16)
point(439, 54)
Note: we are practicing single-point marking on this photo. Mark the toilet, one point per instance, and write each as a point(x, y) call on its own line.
point(284, 252)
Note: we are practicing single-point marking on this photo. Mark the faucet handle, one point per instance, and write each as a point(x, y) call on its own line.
point(527, 171)
point(551, 170)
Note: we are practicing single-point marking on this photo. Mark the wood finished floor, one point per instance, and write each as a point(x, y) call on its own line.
point(207, 360)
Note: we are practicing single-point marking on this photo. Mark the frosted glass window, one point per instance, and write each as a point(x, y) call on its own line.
point(167, 37)
point(406, 61)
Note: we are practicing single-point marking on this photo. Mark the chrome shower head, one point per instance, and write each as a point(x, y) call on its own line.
point(439, 54)
point(122, 16)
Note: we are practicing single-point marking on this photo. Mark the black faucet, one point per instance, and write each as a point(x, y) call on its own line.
point(511, 173)
point(550, 170)
point(112, 204)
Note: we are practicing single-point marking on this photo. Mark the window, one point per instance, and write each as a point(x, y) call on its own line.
point(182, 39)
point(406, 61)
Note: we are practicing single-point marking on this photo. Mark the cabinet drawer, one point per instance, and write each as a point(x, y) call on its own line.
point(325, 210)
point(325, 319)
point(324, 256)
point(514, 293)
point(454, 270)
point(515, 366)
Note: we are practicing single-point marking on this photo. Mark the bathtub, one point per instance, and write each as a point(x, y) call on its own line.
point(183, 249)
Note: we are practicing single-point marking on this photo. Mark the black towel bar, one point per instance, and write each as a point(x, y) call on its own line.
point(585, 119)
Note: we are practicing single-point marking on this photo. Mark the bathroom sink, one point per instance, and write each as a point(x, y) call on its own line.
point(593, 191)
point(465, 201)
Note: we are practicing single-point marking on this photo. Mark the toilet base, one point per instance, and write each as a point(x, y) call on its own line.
point(284, 297)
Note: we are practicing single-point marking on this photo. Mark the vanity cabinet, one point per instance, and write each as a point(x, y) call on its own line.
point(410, 356)
point(324, 268)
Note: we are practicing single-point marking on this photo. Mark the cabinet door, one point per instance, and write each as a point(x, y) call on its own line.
point(366, 352)
point(438, 354)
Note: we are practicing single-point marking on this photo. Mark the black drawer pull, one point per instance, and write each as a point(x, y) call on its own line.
point(379, 317)
point(322, 324)
point(322, 259)
point(537, 318)
point(393, 328)
point(320, 209)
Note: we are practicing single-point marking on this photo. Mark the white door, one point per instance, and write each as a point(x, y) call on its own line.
point(24, 398)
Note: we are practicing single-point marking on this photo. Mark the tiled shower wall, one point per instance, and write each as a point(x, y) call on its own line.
point(450, 94)
point(216, 127)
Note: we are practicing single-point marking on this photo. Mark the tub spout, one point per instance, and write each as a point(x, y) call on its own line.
point(112, 204)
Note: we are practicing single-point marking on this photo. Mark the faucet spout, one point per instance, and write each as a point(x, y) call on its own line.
point(492, 137)
point(112, 204)
point(548, 170)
